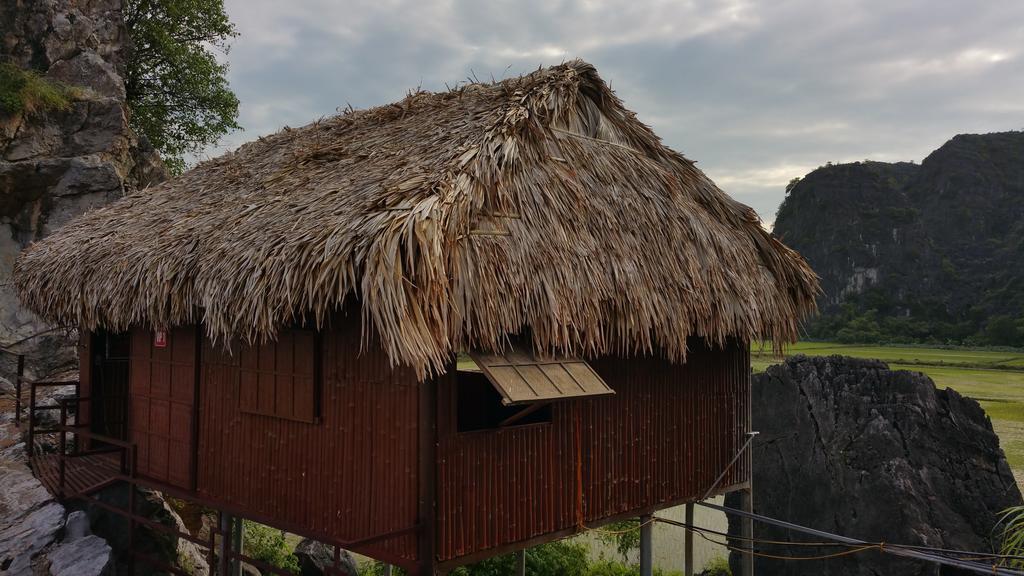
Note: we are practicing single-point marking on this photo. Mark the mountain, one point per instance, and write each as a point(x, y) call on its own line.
point(917, 253)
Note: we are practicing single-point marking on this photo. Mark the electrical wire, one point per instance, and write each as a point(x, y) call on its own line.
point(823, 544)
point(907, 552)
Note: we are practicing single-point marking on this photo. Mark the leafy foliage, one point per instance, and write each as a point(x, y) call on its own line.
point(24, 91)
point(176, 88)
point(625, 535)
point(1012, 522)
point(609, 568)
point(562, 558)
point(268, 545)
point(717, 566)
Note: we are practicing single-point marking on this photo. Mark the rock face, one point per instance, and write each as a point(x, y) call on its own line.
point(850, 447)
point(36, 538)
point(315, 558)
point(159, 544)
point(937, 249)
point(55, 165)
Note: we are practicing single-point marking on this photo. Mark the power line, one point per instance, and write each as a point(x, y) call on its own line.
point(895, 549)
point(822, 544)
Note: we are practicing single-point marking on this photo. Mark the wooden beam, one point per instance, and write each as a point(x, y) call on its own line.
point(522, 414)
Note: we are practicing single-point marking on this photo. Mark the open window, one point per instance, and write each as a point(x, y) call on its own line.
point(517, 388)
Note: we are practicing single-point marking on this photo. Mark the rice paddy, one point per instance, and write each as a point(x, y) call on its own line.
point(994, 378)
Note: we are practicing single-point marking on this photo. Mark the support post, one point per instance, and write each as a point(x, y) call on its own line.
point(223, 562)
point(131, 523)
point(17, 390)
point(747, 530)
point(63, 447)
point(521, 563)
point(237, 540)
point(30, 445)
point(646, 546)
point(388, 570)
point(688, 542)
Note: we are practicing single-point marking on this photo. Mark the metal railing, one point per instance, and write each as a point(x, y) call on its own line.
point(216, 548)
point(218, 555)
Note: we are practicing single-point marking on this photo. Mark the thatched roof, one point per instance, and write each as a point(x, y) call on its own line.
point(453, 219)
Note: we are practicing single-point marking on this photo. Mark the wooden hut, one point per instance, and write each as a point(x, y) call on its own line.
point(286, 323)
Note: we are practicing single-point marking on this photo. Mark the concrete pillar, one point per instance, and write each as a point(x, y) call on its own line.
point(688, 567)
point(747, 530)
point(646, 546)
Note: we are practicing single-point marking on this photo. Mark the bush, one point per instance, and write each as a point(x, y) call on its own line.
point(610, 568)
point(717, 566)
point(268, 545)
point(625, 535)
point(562, 558)
point(24, 91)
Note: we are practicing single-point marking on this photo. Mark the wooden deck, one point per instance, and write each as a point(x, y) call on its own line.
point(83, 474)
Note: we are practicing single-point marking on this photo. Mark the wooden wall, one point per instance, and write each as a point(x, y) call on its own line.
point(349, 475)
point(161, 414)
point(662, 439)
point(351, 471)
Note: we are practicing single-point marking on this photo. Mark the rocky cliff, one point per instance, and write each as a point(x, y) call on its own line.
point(55, 164)
point(851, 447)
point(917, 252)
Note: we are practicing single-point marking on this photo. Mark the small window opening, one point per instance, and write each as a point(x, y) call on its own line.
point(479, 405)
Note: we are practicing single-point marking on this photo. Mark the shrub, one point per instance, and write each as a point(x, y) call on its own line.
point(717, 566)
point(268, 545)
point(625, 535)
point(562, 558)
point(24, 91)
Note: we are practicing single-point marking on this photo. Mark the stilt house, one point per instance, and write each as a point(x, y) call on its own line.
point(432, 331)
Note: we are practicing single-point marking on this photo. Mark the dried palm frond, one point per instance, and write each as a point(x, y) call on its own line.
point(453, 219)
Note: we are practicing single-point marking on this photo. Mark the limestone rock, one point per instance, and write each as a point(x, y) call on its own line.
point(166, 547)
point(86, 556)
point(55, 165)
point(851, 447)
point(21, 492)
point(315, 558)
point(89, 70)
point(76, 526)
point(28, 536)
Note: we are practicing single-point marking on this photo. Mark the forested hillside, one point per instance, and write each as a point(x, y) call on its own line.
point(917, 253)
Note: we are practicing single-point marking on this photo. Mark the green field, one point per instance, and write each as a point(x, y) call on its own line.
point(994, 378)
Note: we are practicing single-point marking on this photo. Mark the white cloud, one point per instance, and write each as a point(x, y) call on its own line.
point(757, 92)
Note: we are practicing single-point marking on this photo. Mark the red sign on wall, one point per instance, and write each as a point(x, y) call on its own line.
point(160, 338)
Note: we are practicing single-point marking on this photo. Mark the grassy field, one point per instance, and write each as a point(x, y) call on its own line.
point(994, 378)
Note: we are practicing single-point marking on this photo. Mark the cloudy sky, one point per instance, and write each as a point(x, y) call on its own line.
point(757, 92)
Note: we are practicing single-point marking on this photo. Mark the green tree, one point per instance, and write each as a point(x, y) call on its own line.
point(1002, 331)
point(624, 534)
point(177, 90)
